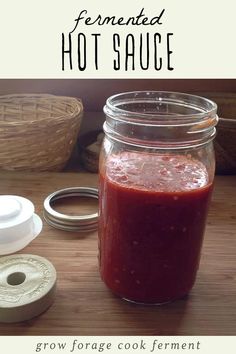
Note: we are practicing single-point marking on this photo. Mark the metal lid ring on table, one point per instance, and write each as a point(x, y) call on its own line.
point(61, 221)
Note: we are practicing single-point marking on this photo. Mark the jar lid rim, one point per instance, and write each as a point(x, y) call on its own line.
point(112, 104)
point(68, 222)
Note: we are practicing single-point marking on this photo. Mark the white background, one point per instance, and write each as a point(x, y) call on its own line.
point(28, 345)
point(203, 43)
point(203, 47)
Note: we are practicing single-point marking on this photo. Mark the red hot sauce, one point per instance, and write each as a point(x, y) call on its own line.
point(153, 212)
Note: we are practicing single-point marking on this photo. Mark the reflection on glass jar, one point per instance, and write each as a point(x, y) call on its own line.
point(156, 173)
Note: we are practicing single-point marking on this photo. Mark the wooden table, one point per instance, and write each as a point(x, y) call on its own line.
point(84, 306)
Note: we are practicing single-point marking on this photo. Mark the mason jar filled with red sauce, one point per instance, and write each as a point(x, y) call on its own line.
point(155, 182)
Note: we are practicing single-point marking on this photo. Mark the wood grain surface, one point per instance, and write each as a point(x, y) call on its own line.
point(84, 306)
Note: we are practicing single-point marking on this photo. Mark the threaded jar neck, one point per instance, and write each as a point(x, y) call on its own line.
point(161, 119)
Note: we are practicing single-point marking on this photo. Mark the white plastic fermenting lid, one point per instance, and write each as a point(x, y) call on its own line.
point(19, 225)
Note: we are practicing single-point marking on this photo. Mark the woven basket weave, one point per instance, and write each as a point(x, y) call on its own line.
point(38, 132)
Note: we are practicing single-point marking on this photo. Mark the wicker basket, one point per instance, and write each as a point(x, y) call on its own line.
point(38, 132)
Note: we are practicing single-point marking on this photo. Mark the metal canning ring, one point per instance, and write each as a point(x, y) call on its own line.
point(70, 222)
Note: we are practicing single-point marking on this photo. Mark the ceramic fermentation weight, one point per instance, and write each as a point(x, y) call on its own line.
point(27, 287)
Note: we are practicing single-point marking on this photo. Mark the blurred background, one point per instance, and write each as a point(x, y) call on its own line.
point(94, 93)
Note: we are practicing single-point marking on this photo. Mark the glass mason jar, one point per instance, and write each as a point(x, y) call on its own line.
point(155, 181)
